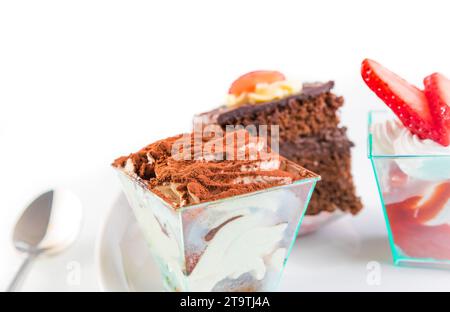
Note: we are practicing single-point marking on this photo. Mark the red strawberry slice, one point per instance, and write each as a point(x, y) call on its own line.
point(405, 100)
point(248, 81)
point(437, 91)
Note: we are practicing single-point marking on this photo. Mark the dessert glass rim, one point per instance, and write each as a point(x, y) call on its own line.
point(140, 182)
point(372, 154)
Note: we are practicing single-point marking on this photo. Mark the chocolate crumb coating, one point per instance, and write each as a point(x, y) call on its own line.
point(183, 182)
point(310, 136)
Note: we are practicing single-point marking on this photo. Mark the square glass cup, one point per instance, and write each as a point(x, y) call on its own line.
point(240, 243)
point(415, 196)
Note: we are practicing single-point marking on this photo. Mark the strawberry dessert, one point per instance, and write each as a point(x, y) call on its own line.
point(410, 154)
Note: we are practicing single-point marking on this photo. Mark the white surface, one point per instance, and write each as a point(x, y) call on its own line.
point(82, 82)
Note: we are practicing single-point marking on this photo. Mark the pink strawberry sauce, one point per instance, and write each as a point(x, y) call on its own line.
point(411, 233)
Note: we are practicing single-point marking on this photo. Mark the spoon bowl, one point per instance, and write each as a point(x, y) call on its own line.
point(49, 224)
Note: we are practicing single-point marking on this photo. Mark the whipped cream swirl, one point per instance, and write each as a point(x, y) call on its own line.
point(392, 138)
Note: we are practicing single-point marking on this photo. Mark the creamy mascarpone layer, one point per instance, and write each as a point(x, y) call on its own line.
point(252, 243)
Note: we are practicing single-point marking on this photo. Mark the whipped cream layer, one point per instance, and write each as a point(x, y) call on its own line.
point(392, 138)
point(249, 240)
point(443, 215)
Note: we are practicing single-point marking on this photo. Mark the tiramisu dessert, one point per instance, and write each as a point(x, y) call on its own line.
point(220, 213)
point(410, 154)
point(309, 131)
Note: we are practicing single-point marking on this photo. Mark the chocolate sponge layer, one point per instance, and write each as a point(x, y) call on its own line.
point(303, 114)
point(327, 153)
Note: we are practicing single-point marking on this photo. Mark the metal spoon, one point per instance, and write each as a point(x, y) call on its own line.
point(49, 224)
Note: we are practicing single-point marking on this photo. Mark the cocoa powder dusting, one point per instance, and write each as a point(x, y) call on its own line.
point(183, 180)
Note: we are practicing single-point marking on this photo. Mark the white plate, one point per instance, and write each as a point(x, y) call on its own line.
point(123, 260)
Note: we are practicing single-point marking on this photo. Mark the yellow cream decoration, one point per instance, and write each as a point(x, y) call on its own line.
point(265, 92)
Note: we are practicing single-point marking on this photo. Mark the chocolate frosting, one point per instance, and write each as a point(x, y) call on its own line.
point(227, 116)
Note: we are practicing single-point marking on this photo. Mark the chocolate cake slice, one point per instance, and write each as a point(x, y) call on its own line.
point(310, 135)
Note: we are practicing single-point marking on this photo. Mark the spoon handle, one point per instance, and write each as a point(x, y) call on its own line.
point(20, 275)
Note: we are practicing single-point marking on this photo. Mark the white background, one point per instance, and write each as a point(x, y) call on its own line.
point(82, 82)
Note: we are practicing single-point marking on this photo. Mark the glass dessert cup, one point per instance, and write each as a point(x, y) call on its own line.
point(240, 243)
point(415, 196)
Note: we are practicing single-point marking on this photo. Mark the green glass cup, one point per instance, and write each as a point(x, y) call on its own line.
point(415, 197)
